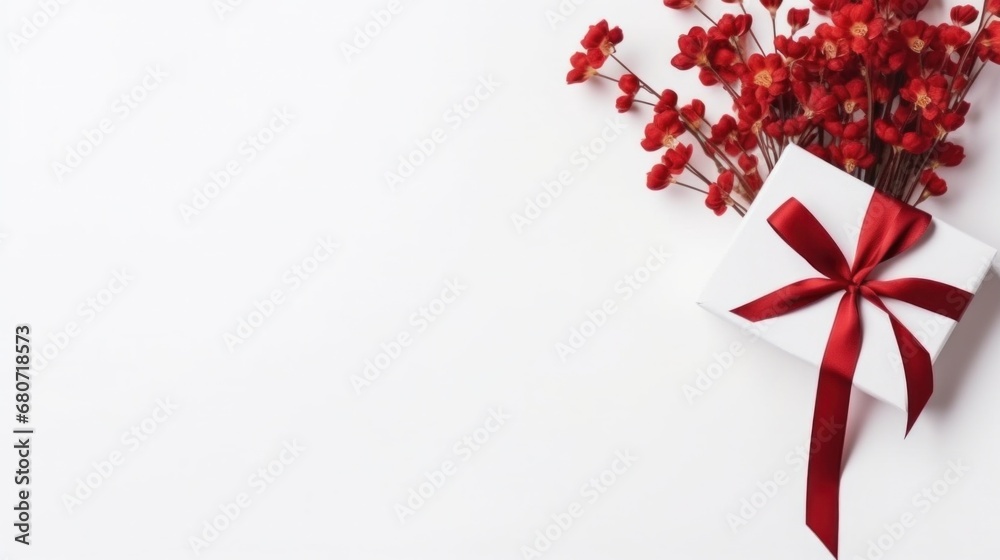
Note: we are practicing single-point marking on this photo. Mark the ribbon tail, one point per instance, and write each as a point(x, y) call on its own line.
point(833, 399)
point(917, 367)
point(917, 370)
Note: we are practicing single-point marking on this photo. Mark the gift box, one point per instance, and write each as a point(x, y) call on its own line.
point(758, 261)
point(863, 286)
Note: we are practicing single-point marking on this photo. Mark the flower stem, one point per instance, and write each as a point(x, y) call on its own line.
point(752, 34)
point(704, 14)
point(641, 81)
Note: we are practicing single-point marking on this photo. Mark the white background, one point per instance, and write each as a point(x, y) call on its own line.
point(162, 336)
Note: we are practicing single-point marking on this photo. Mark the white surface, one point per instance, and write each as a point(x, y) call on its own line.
point(495, 346)
point(839, 203)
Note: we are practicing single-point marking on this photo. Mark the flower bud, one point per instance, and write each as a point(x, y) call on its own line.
point(964, 15)
point(798, 18)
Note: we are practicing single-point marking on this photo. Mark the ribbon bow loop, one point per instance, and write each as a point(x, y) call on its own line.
point(889, 228)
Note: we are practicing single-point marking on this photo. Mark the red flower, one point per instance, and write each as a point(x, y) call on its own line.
point(988, 45)
point(794, 126)
point(950, 38)
point(668, 100)
point(775, 129)
point(889, 56)
point(721, 67)
point(947, 122)
point(768, 74)
point(851, 155)
point(748, 163)
point(951, 121)
point(718, 193)
point(850, 131)
point(676, 159)
point(907, 9)
point(582, 69)
point(993, 7)
point(852, 96)
point(715, 58)
point(831, 41)
point(915, 143)
point(679, 4)
point(629, 84)
point(721, 131)
point(600, 42)
point(888, 133)
point(817, 103)
point(827, 6)
point(948, 154)
point(663, 131)
point(730, 26)
point(658, 177)
point(728, 135)
point(860, 22)
point(798, 18)
point(819, 151)
point(753, 116)
point(959, 82)
point(928, 95)
point(901, 116)
point(673, 163)
point(624, 103)
point(933, 185)
point(917, 34)
point(694, 112)
point(964, 15)
point(794, 49)
point(771, 5)
point(694, 50)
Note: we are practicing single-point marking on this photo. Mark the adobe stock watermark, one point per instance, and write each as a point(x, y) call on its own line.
point(31, 25)
point(723, 360)
point(795, 460)
point(121, 109)
point(223, 8)
point(598, 316)
point(258, 482)
point(365, 33)
point(251, 148)
point(561, 11)
point(87, 311)
point(420, 320)
point(453, 118)
point(561, 522)
point(922, 502)
point(131, 440)
point(708, 375)
point(418, 495)
point(579, 161)
point(292, 279)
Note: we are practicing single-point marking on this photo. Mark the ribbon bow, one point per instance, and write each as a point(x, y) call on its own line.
point(889, 228)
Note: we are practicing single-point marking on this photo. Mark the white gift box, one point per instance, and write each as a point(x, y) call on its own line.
point(759, 262)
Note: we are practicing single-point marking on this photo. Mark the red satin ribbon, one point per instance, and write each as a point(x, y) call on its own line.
point(890, 227)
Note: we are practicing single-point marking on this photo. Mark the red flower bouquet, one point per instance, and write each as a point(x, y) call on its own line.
point(873, 90)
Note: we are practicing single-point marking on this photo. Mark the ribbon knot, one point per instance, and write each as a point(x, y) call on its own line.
point(888, 229)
